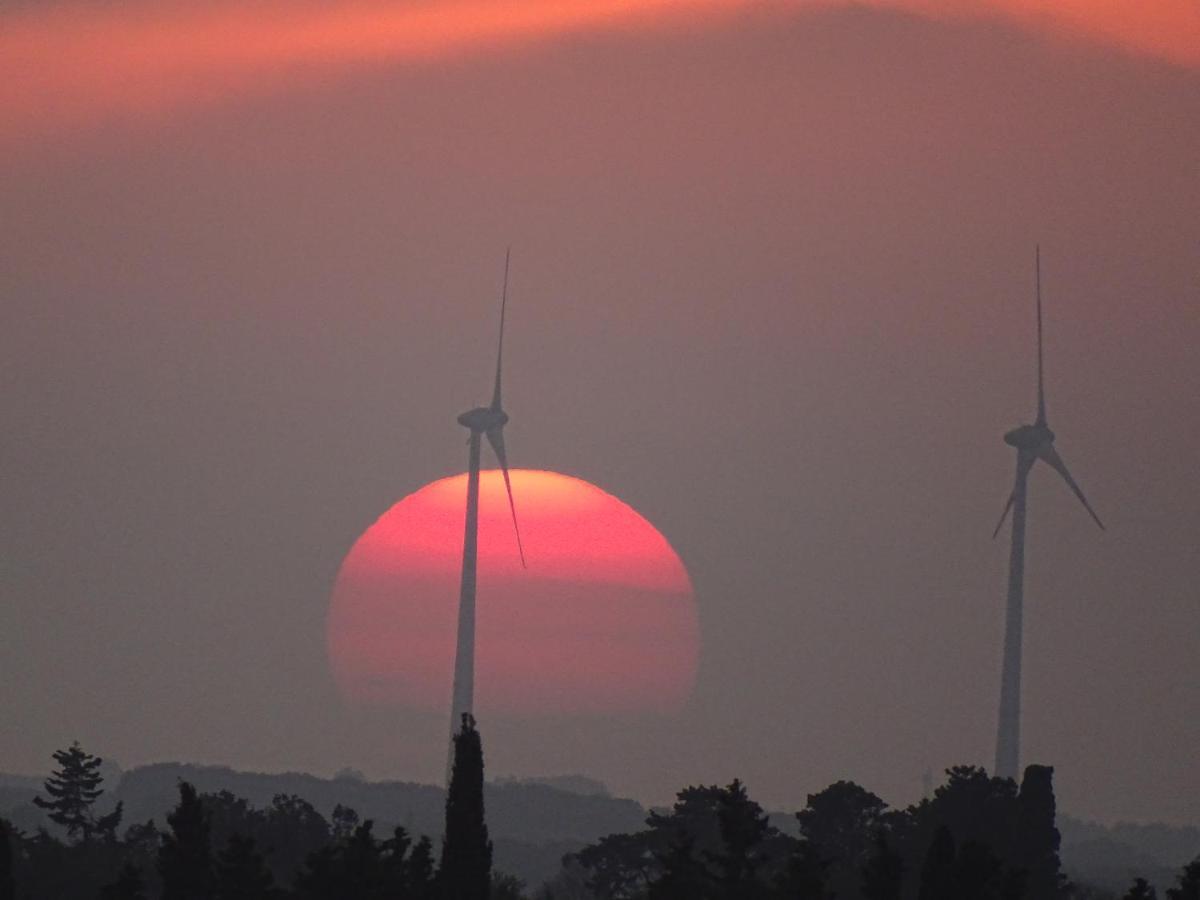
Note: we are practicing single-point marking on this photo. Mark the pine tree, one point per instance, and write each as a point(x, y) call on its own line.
point(128, 886)
point(1189, 883)
point(73, 791)
point(465, 872)
point(884, 872)
point(185, 855)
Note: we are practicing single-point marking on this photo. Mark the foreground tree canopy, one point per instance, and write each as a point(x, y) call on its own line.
point(976, 838)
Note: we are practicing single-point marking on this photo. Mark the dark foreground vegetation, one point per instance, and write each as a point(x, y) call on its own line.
point(976, 838)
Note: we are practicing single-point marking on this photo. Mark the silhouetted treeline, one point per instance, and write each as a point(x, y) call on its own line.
point(219, 847)
point(976, 838)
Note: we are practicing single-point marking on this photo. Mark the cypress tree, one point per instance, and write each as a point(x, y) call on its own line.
point(185, 855)
point(1038, 839)
point(466, 868)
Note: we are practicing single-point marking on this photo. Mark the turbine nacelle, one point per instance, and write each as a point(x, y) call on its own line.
point(1030, 438)
point(483, 419)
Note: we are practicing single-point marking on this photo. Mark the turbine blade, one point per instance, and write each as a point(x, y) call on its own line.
point(1024, 464)
point(500, 346)
point(1050, 455)
point(495, 437)
point(1041, 413)
point(1004, 515)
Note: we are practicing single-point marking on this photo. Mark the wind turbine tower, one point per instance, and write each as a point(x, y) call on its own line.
point(1032, 443)
point(482, 421)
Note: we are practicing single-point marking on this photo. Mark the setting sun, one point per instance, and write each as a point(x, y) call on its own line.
point(603, 618)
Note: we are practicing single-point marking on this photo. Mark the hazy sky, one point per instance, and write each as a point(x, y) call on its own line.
point(772, 286)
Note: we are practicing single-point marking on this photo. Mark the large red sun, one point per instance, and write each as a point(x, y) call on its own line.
point(602, 620)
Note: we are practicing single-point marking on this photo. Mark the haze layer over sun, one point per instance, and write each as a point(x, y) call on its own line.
point(602, 619)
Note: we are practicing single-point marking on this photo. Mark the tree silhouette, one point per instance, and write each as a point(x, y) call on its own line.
point(681, 876)
point(841, 822)
point(140, 849)
point(977, 807)
point(8, 888)
point(364, 868)
point(1140, 890)
point(73, 791)
point(343, 822)
point(1189, 883)
point(241, 873)
point(883, 874)
point(185, 854)
point(803, 877)
point(728, 836)
point(621, 865)
point(420, 874)
point(1037, 836)
point(743, 826)
point(507, 887)
point(361, 863)
point(465, 872)
point(393, 862)
point(937, 872)
point(290, 830)
point(348, 868)
point(129, 885)
point(979, 874)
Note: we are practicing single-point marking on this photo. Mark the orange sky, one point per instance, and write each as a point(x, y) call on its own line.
point(62, 64)
point(772, 284)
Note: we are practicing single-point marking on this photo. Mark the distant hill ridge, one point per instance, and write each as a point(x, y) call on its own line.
point(525, 810)
point(534, 821)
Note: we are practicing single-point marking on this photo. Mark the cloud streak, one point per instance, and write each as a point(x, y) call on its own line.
point(63, 65)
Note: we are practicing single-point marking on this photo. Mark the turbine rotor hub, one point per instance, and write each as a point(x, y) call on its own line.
point(1029, 437)
point(483, 418)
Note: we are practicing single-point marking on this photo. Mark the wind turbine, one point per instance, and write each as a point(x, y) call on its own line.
point(490, 421)
point(1032, 442)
